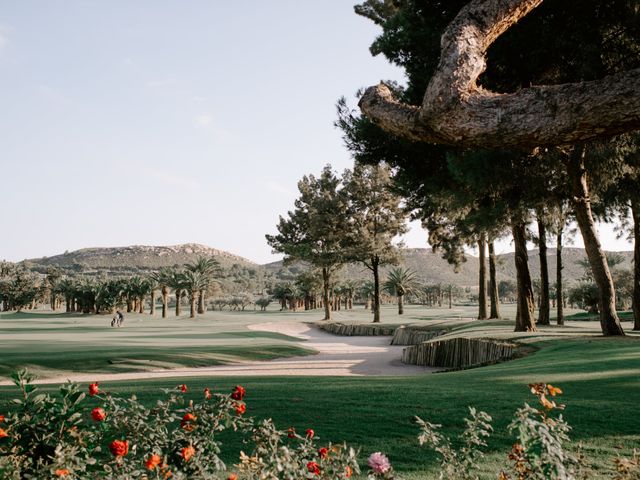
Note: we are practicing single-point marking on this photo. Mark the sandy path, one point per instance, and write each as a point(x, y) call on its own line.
point(337, 356)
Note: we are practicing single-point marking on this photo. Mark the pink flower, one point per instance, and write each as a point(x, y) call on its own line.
point(379, 463)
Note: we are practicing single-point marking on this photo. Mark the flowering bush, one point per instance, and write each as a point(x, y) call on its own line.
point(69, 437)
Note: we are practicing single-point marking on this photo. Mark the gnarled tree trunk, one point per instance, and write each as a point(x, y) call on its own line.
point(559, 292)
point(456, 111)
point(525, 319)
point(544, 307)
point(493, 284)
point(609, 321)
point(635, 212)
point(152, 305)
point(376, 290)
point(482, 278)
point(326, 283)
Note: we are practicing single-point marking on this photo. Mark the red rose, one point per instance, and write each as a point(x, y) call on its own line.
point(119, 448)
point(291, 433)
point(187, 453)
point(310, 433)
point(186, 420)
point(1, 418)
point(207, 394)
point(152, 462)
point(93, 389)
point(323, 452)
point(183, 388)
point(98, 414)
point(241, 408)
point(314, 468)
point(238, 393)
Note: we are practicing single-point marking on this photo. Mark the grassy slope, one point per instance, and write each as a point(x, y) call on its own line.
point(599, 377)
point(52, 344)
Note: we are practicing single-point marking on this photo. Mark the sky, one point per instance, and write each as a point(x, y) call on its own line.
point(162, 122)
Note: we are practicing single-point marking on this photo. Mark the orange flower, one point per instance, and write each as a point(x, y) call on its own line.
point(186, 421)
point(62, 472)
point(183, 388)
point(323, 452)
point(3, 433)
point(119, 448)
point(348, 472)
point(98, 414)
point(553, 391)
point(238, 393)
point(233, 476)
point(241, 408)
point(310, 433)
point(93, 389)
point(314, 468)
point(207, 394)
point(187, 453)
point(153, 461)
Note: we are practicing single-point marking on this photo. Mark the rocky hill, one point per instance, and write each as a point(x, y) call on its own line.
point(136, 258)
point(429, 266)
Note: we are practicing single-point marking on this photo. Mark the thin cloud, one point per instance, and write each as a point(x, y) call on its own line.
point(4, 37)
point(280, 189)
point(204, 120)
point(174, 180)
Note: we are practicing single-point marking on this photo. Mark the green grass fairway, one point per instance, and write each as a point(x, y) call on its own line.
point(600, 378)
point(54, 344)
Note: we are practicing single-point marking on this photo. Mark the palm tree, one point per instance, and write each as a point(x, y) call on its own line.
point(206, 268)
point(175, 280)
point(366, 292)
point(162, 280)
point(194, 283)
point(400, 282)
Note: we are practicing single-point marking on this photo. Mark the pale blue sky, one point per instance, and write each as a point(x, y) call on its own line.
point(162, 122)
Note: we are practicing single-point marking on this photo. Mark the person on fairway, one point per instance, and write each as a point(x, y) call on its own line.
point(120, 317)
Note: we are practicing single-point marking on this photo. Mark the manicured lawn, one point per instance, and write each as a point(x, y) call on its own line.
point(54, 344)
point(599, 377)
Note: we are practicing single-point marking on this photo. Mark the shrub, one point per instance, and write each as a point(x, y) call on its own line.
point(79, 435)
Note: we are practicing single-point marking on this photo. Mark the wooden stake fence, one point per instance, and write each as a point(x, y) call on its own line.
point(457, 352)
point(351, 330)
point(413, 336)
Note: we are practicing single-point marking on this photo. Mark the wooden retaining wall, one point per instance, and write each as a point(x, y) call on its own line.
point(407, 335)
point(458, 352)
point(351, 330)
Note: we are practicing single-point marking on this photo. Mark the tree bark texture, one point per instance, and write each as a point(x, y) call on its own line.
point(493, 284)
point(165, 301)
point(482, 278)
point(400, 304)
point(152, 306)
point(326, 277)
point(376, 290)
point(201, 301)
point(544, 307)
point(609, 321)
point(525, 319)
point(559, 287)
point(456, 111)
point(635, 212)
point(178, 298)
